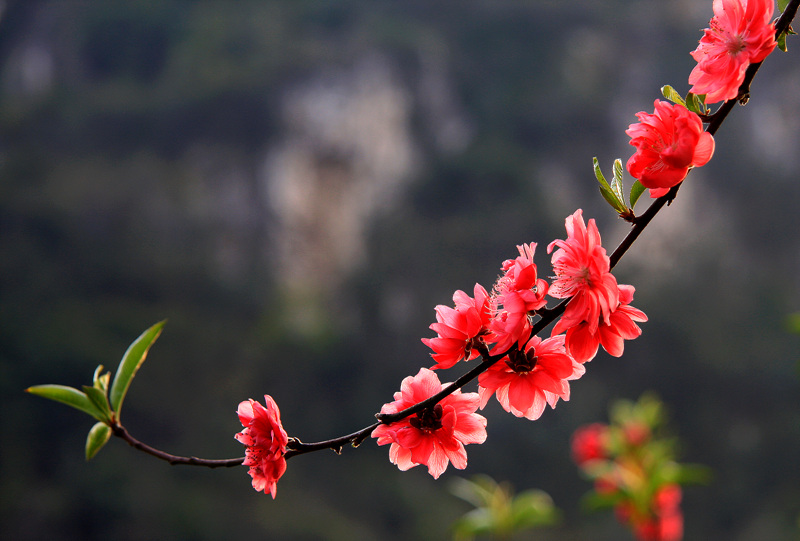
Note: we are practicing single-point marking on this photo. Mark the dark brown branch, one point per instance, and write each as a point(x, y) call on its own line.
point(121, 432)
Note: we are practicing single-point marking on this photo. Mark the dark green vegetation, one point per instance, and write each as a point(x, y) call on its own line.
point(138, 145)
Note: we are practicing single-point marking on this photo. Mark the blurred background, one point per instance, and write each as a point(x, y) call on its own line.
point(296, 184)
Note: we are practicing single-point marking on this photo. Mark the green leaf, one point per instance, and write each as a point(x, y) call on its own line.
point(782, 39)
point(69, 396)
point(100, 400)
point(782, 42)
point(782, 5)
point(616, 184)
point(696, 103)
point(672, 95)
point(99, 380)
point(605, 190)
point(130, 363)
point(636, 190)
point(97, 438)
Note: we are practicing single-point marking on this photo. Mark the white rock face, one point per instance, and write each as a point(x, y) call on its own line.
point(346, 153)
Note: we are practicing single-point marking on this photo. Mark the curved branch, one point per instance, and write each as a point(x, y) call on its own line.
point(121, 432)
point(547, 316)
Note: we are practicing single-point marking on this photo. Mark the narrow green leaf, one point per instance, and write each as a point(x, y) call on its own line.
point(782, 42)
point(130, 363)
point(605, 190)
point(782, 5)
point(672, 95)
point(609, 196)
point(69, 396)
point(636, 190)
point(100, 381)
point(598, 172)
point(100, 400)
point(616, 184)
point(97, 438)
point(782, 38)
point(696, 103)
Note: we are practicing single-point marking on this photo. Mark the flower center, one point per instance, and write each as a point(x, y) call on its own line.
point(521, 362)
point(475, 342)
point(428, 420)
point(736, 45)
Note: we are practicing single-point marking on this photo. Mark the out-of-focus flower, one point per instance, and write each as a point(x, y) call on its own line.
point(740, 33)
point(668, 143)
point(589, 443)
point(665, 520)
point(634, 471)
point(266, 442)
point(459, 329)
point(526, 381)
point(435, 436)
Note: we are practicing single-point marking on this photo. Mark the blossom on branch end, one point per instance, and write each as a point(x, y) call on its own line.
point(435, 436)
point(266, 442)
point(525, 381)
point(668, 143)
point(740, 34)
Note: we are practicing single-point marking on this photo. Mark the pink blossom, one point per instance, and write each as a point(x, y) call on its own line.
point(583, 275)
point(526, 381)
point(668, 143)
point(460, 329)
point(266, 442)
point(435, 436)
point(740, 34)
point(583, 343)
point(517, 293)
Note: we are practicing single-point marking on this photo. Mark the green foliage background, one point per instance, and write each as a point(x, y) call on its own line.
point(106, 226)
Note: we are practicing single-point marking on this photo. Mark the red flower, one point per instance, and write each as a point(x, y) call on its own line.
point(740, 34)
point(435, 436)
point(590, 443)
point(517, 293)
point(583, 344)
point(526, 381)
point(266, 442)
point(583, 273)
point(459, 329)
point(668, 143)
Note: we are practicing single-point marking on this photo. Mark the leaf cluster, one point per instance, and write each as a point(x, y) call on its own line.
point(98, 400)
point(498, 511)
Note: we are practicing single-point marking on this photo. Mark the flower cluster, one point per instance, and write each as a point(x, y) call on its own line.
point(633, 469)
point(524, 372)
